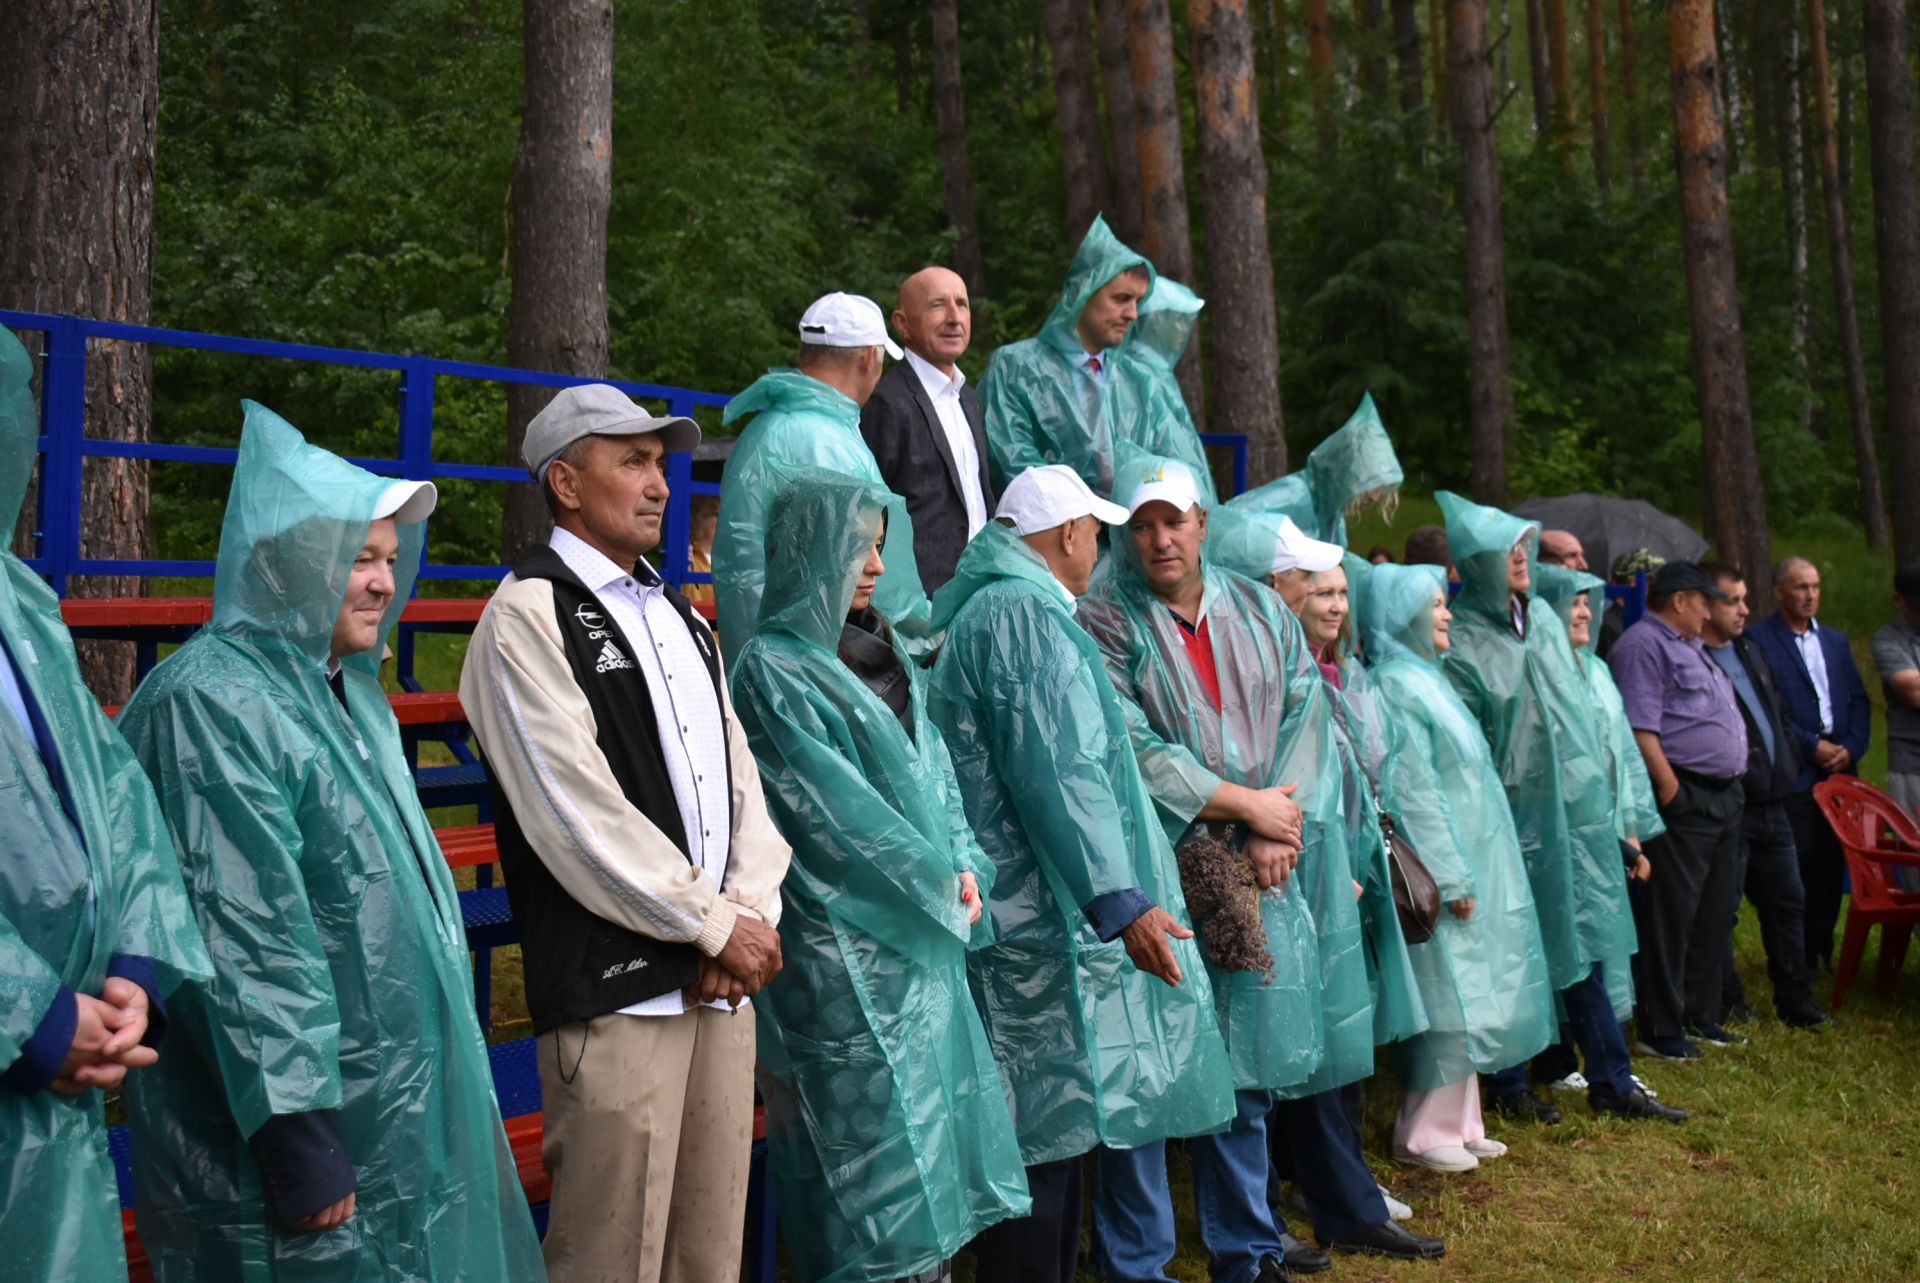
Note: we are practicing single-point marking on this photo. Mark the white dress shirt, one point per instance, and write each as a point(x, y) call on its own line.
point(686, 711)
point(944, 392)
point(1811, 654)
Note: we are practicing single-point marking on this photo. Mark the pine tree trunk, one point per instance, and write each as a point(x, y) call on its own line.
point(1840, 247)
point(1437, 55)
point(1168, 237)
point(1370, 21)
point(1560, 67)
point(1731, 102)
point(1896, 222)
point(562, 190)
point(1505, 43)
point(78, 105)
point(1278, 69)
point(1320, 66)
point(1406, 51)
point(1539, 75)
point(1469, 78)
point(1243, 331)
point(1078, 114)
point(1630, 98)
point(1794, 188)
point(1846, 28)
point(1597, 93)
point(1116, 76)
point(1736, 501)
point(950, 111)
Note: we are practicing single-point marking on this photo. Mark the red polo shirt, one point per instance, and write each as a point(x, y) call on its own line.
point(1200, 652)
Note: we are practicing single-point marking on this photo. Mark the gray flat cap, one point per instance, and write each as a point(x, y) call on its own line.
point(598, 410)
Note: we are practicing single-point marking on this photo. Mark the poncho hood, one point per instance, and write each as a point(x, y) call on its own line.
point(1356, 460)
point(1169, 315)
point(18, 438)
point(1557, 586)
point(1395, 612)
point(994, 554)
point(1100, 258)
point(1479, 539)
point(297, 516)
point(785, 388)
point(818, 531)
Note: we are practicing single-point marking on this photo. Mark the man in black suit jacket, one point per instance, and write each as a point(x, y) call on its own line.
point(925, 426)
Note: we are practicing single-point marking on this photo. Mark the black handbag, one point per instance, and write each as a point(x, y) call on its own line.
point(1416, 896)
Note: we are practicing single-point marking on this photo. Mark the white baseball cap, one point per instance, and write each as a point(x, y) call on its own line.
point(1165, 481)
point(598, 410)
point(1043, 498)
point(1295, 549)
point(846, 320)
point(406, 502)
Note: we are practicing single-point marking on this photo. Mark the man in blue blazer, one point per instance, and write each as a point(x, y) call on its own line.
point(1830, 721)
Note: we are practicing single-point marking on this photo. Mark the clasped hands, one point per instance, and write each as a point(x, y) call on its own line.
point(106, 1039)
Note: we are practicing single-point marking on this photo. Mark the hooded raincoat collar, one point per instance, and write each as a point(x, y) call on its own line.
point(785, 388)
point(1100, 258)
point(1557, 586)
point(18, 424)
point(818, 530)
point(1356, 460)
point(1169, 314)
point(995, 553)
point(1479, 539)
point(1395, 608)
point(297, 517)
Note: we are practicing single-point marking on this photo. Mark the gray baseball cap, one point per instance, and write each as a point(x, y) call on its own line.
point(598, 410)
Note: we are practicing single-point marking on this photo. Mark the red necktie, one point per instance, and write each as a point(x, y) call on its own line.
point(1093, 365)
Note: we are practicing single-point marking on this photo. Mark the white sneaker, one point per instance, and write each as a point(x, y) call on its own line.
point(1486, 1147)
point(1396, 1209)
point(1643, 1085)
point(1575, 1081)
point(1441, 1158)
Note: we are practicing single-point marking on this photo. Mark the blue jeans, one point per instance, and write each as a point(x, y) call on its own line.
point(1597, 1032)
point(1133, 1209)
point(1323, 1151)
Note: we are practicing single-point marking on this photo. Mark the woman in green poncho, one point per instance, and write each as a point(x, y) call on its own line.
point(1483, 976)
point(335, 1052)
point(891, 1138)
point(1636, 816)
point(94, 923)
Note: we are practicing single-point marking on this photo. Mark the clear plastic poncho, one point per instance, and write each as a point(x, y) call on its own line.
point(1484, 981)
point(891, 1139)
point(1093, 1050)
point(1349, 467)
point(1043, 407)
point(1636, 813)
point(77, 887)
point(344, 981)
point(1534, 707)
point(799, 422)
point(1309, 1028)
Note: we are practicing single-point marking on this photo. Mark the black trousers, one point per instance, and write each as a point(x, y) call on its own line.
point(1043, 1247)
point(1686, 915)
point(1771, 863)
point(1823, 871)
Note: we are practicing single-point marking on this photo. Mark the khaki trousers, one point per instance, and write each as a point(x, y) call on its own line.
point(649, 1133)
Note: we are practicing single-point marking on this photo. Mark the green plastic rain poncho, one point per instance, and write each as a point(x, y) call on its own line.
point(88, 885)
point(1636, 813)
point(800, 423)
point(1093, 1050)
point(1533, 706)
point(1354, 465)
point(344, 981)
point(1310, 1028)
point(1042, 406)
point(890, 1135)
point(1484, 981)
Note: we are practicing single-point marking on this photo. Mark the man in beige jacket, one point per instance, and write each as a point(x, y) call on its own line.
point(640, 861)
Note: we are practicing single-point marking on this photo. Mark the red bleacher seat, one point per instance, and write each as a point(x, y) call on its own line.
point(466, 845)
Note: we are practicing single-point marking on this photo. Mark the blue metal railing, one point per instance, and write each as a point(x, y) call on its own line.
point(64, 442)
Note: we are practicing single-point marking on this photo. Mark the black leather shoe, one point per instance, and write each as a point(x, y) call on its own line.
point(1304, 1258)
point(1636, 1104)
point(1272, 1271)
point(1525, 1106)
point(1804, 1013)
point(1389, 1239)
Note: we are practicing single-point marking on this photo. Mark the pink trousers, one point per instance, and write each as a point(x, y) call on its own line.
point(1448, 1115)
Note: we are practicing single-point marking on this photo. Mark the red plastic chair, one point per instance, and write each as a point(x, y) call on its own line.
point(1878, 835)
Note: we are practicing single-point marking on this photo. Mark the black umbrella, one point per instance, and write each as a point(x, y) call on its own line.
point(1608, 527)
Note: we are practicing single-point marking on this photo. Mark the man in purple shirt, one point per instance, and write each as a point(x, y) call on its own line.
point(1686, 719)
